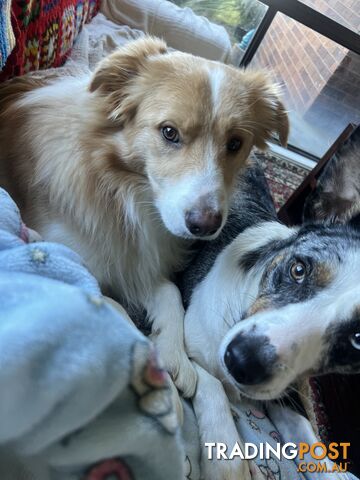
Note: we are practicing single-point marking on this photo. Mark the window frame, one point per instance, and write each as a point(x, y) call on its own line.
point(307, 16)
point(312, 19)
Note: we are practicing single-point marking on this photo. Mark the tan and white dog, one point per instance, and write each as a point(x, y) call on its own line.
point(130, 164)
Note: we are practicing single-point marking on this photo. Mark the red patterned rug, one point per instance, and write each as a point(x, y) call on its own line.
point(283, 176)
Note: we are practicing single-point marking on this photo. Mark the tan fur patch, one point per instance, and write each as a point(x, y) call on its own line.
point(92, 157)
point(274, 263)
point(323, 275)
point(12, 143)
point(261, 303)
point(175, 90)
point(13, 90)
point(114, 74)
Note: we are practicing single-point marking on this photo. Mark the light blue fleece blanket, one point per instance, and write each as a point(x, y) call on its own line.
point(82, 396)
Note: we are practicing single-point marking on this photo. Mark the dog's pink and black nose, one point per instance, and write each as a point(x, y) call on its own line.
point(250, 359)
point(203, 222)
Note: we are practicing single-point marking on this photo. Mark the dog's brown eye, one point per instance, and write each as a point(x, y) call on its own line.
point(234, 145)
point(355, 340)
point(170, 134)
point(298, 272)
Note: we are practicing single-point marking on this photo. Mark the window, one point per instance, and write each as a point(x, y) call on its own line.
point(345, 12)
point(239, 17)
point(320, 79)
point(313, 49)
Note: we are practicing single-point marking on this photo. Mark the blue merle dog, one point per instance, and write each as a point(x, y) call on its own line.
point(267, 304)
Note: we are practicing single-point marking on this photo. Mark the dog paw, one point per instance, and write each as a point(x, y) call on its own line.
point(185, 377)
point(180, 369)
point(235, 469)
point(34, 236)
point(177, 402)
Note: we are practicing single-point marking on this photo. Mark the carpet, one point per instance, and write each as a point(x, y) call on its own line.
point(282, 175)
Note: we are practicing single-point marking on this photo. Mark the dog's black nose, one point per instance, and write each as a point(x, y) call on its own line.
point(250, 359)
point(204, 222)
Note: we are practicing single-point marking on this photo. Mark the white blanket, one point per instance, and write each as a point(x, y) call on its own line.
point(128, 20)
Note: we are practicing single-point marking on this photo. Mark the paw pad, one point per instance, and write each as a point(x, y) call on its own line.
point(149, 381)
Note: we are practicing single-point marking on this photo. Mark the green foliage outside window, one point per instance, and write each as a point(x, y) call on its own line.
point(237, 16)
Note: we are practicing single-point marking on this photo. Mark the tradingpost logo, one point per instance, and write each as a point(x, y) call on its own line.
point(311, 457)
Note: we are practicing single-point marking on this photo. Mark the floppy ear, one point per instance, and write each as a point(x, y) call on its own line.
point(114, 74)
point(270, 114)
point(337, 193)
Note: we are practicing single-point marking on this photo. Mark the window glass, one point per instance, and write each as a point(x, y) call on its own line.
point(239, 17)
point(345, 12)
point(320, 79)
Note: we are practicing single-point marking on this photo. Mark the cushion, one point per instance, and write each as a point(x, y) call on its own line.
point(45, 31)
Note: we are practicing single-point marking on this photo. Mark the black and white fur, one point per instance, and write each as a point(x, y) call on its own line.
point(266, 305)
point(337, 195)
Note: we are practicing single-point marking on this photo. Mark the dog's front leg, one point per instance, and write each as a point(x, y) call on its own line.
point(166, 312)
point(216, 425)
